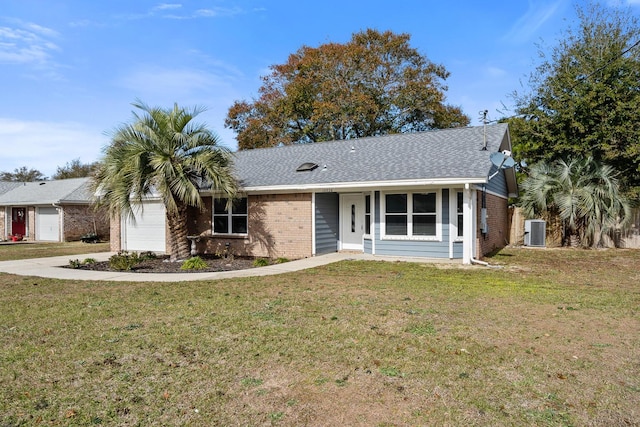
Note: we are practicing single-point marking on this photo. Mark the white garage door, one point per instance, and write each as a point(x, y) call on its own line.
point(48, 224)
point(148, 231)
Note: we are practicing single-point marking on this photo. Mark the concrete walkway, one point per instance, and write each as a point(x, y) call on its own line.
point(52, 268)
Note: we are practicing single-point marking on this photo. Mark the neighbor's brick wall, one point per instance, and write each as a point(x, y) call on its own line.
point(279, 226)
point(498, 219)
point(31, 223)
point(79, 220)
point(3, 228)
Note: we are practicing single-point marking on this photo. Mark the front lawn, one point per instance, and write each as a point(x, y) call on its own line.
point(551, 338)
point(26, 250)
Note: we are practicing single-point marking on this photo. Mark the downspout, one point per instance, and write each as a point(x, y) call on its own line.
point(477, 261)
point(471, 196)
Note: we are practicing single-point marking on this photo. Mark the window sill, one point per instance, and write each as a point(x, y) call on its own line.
point(229, 236)
point(414, 238)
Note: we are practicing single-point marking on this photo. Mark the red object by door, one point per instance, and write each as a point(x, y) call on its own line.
point(18, 217)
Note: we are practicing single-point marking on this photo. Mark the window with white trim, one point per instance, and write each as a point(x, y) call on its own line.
point(230, 221)
point(367, 214)
point(411, 215)
point(460, 214)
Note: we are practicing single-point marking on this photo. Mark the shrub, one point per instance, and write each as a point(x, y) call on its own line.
point(194, 263)
point(281, 260)
point(124, 261)
point(147, 255)
point(76, 263)
point(260, 262)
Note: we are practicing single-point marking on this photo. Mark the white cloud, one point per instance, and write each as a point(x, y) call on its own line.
point(528, 24)
point(218, 11)
point(23, 46)
point(495, 72)
point(181, 82)
point(46, 145)
point(167, 6)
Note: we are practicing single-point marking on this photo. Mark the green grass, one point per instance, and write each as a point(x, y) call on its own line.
point(550, 339)
point(15, 251)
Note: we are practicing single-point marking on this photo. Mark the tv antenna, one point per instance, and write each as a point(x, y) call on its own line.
point(484, 122)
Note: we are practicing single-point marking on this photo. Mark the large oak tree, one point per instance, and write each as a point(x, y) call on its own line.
point(584, 98)
point(374, 84)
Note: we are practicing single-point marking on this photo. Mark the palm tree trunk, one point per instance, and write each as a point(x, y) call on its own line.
point(574, 240)
point(178, 243)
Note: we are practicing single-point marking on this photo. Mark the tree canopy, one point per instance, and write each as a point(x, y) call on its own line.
point(374, 84)
point(75, 169)
point(584, 97)
point(163, 152)
point(22, 174)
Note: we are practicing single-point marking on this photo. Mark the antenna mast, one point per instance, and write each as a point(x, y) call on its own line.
point(484, 122)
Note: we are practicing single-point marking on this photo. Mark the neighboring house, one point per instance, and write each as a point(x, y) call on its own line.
point(56, 211)
point(416, 194)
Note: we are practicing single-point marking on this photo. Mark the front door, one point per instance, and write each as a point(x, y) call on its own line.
point(352, 227)
point(18, 224)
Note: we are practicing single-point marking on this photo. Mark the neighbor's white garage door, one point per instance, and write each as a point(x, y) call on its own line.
point(48, 224)
point(148, 232)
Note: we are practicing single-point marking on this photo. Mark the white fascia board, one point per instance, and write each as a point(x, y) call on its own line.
point(367, 185)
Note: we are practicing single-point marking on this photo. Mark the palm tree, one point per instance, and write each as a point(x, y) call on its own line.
point(163, 152)
point(583, 193)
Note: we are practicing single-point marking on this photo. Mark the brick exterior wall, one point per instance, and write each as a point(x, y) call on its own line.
point(31, 223)
point(3, 228)
point(79, 220)
point(5, 225)
point(498, 220)
point(279, 226)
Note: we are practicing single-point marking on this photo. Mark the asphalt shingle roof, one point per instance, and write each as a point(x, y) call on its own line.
point(48, 192)
point(7, 186)
point(442, 154)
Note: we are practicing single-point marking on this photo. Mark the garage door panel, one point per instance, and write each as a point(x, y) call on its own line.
point(48, 224)
point(147, 232)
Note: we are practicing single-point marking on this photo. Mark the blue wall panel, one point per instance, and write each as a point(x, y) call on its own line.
point(419, 248)
point(326, 223)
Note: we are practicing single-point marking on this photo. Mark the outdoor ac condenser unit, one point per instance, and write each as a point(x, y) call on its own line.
point(535, 232)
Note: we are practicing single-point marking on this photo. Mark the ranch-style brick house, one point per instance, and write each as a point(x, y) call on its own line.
point(433, 194)
point(53, 211)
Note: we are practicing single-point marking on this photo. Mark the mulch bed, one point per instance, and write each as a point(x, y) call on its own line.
point(162, 265)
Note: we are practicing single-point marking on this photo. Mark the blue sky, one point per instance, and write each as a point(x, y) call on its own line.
point(69, 70)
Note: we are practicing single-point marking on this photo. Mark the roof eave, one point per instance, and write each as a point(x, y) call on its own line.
point(345, 186)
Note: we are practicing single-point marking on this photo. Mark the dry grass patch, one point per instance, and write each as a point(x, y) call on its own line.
point(550, 339)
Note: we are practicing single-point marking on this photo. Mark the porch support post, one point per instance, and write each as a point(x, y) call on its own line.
point(469, 224)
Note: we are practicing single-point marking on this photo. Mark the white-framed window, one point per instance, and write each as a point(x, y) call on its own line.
point(411, 215)
point(460, 214)
point(230, 221)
